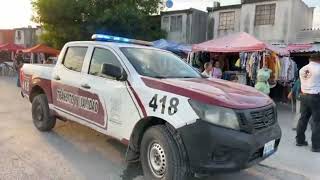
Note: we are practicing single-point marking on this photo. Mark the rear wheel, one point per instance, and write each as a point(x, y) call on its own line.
point(160, 155)
point(41, 113)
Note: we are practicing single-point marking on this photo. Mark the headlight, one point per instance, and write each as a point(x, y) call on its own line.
point(216, 115)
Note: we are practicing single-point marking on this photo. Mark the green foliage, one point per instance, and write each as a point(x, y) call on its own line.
point(70, 20)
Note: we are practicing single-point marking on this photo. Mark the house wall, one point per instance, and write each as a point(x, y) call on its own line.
point(214, 20)
point(302, 18)
point(308, 36)
point(6, 36)
point(291, 17)
point(28, 37)
point(194, 24)
point(176, 36)
point(270, 33)
point(198, 27)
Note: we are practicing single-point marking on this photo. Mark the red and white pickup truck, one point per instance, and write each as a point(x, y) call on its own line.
point(172, 119)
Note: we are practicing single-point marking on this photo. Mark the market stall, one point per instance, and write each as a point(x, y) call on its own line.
point(242, 55)
point(41, 53)
point(8, 50)
point(301, 53)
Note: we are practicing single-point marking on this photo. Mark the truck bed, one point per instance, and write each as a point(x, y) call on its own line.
point(40, 70)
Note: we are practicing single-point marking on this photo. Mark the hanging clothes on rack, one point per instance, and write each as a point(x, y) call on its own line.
point(291, 71)
point(272, 64)
point(253, 65)
point(243, 60)
point(285, 63)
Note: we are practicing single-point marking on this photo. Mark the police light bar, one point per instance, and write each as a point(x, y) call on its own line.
point(103, 37)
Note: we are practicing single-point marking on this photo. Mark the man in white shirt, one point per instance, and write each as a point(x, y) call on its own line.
point(207, 70)
point(310, 103)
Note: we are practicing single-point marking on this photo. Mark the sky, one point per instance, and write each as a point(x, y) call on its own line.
point(18, 13)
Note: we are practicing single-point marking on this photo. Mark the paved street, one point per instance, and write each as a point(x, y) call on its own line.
point(73, 151)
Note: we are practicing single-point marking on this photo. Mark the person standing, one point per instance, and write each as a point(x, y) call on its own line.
point(217, 72)
point(207, 70)
point(18, 63)
point(296, 93)
point(310, 103)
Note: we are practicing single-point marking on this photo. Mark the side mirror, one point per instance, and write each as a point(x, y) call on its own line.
point(113, 71)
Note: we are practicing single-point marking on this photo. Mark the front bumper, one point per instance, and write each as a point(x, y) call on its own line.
point(213, 149)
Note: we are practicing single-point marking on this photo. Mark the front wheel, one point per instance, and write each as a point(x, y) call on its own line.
point(160, 155)
point(42, 119)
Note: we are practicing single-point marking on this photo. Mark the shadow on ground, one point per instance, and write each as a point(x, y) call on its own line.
point(96, 156)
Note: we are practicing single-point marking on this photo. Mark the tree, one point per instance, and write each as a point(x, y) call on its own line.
point(69, 20)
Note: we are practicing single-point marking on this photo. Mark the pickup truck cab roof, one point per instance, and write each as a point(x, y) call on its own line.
point(156, 103)
point(110, 44)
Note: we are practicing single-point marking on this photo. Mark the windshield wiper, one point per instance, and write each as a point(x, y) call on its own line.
point(172, 77)
point(187, 77)
point(160, 77)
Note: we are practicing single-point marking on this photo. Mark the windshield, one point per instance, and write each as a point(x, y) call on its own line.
point(159, 64)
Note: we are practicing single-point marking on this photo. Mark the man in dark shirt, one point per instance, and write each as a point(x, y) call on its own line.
point(18, 63)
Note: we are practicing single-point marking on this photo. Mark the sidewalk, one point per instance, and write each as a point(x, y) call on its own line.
point(289, 157)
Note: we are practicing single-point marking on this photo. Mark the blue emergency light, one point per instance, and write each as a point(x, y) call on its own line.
point(107, 38)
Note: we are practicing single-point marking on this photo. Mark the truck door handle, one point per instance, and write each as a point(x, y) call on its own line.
point(86, 86)
point(57, 78)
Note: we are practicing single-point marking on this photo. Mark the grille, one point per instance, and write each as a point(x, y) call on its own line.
point(263, 118)
point(256, 155)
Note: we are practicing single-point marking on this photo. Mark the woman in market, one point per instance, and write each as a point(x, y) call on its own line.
point(207, 70)
point(217, 71)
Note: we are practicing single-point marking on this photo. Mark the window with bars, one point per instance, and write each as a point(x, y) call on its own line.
point(165, 20)
point(226, 20)
point(176, 23)
point(165, 23)
point(265, 14)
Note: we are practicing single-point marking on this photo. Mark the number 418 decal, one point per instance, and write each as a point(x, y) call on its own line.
point(173, 104)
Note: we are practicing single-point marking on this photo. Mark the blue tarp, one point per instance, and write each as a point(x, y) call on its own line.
point(172, 46)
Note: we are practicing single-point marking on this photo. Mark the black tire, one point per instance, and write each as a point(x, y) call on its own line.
point(161, 139)
point(41, 113)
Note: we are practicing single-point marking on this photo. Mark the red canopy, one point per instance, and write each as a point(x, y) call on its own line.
point(280, 51)
point(10, 47)
point(297, 47)
point(41, 48)
point(238, 42)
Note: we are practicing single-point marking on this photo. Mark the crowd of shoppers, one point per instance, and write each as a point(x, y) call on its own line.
point(211, 71)
point(306, 92)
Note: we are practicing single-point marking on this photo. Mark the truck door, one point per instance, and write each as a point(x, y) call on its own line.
point(65, 81)
point(118, 105)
